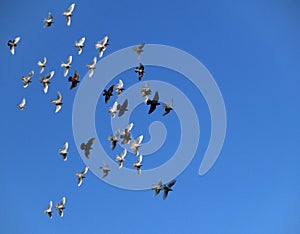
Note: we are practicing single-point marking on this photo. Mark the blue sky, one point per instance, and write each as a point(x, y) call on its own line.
point(252, 50)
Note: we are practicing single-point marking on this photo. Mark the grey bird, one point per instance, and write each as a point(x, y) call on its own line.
point(48, 21)
point(126, 135)
point(139, 50)
point(121, 158)
point(46, 81)
point(22, 104)
point(168, 107)
point(81, 176)
point(68, 14)
point(105, 170)
point(122, 108)
point(87, 147)
point(12, 44)
point(167, 188)
point(58, 102)
point(61, 206)
point(146, 91)
point(42, 64)
point(138, 164)
point(140, 70)
point(27, 79)
point(136, 144)
point(48, 211)
point(153, 103)
point(113, 140)
point(101, 45)
point(64, 152)
point(157, 188)
point(92, 67)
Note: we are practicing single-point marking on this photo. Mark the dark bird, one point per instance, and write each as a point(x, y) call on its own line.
point(122, 108)
point(48, 211)
point(140, 71)
point(108, 93)
point(113, 140)
point(61, 206)
point(153, 103)
point(12, 44)
point(74, 80)
point(168, 107)
point(48, 21)
point(87, 147)
point(167, 188)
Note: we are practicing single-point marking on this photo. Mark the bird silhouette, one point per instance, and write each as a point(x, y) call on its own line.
point(87, 147)
point(108, 93)
point(153, 103)
point(74, 80)
point(140, 70)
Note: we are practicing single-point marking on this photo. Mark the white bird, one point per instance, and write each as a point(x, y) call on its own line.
point(101, 45)
point(113, 110)
point(67, 65)
point(138, 164)
point(63, 152)
point(48, 21)
point(139, 50)
point(69, 13)
point(119, 87)
point(92, 66)
point(48, 211)
point(12, 44)
point(125, 135)
point(61, 206)
point(81, 176)
point(121, 158)
point(146, 91)
point(105, 170)
point(80, 44)
point(22, 104)
point(58, 102)
point(27, 79)
point(42, 64)
point(157, 188)
point(46, 81)
point(136, 144)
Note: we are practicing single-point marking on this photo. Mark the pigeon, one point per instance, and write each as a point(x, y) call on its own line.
point(87, 147)
point(135, 144)
point(48, 21)
point(57, 102)
point(122, 108)
point(61, 206)
point(138, 164)
point(114, 139)
point(153, 103)
point(80, 45)
point(125, 135)
point(46, 81)
point(68, 13)
point(168, 107)
point(74, 80)
point(48, 211)
point(27, 79)
point(167, 188)
point(146, 91)
point(108, 93)
point(105, 170)
point(139, 50)
point(92, 66)
point(81, 176)
point(101, 45)
point(12, 44)
point(140, 71)
point(22, 104)
point(157, 188)
point(67, 65)
point(119, 87)
point(63, 152)
point(42, 64)
point(121, 158)
point(113, 110)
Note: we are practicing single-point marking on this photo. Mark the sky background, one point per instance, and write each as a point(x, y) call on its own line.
point(252, 50)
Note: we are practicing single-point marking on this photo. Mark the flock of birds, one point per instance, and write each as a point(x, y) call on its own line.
point(116, 110)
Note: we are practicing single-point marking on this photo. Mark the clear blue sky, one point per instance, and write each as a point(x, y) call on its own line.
point(252, 48)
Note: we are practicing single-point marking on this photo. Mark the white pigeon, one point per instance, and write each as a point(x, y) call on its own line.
point(63, 152)
point(146, 91)
point(42, 64)
point(139, 50)
point(67, 65)
point(46, 81)
point(12, 44)
point(113, 110)
point(80, 44)
point(27, 79)
point(22, 104)
point(69, 13)
point(105, 170)
point(48, 21)
point(121, 158)
point(48, 211)
point(57, 102)
point(135, 144)
point(81, 176)
point(119, 87)
point(101, 45)
point(125, 135)
point(92, 66)
point(138, 164)
point(61, 206)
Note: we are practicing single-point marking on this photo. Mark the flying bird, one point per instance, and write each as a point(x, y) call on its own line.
point(113, 110)
point(81, 176)
point(167, 188)
point(22, 104)
point(46, 81)
point(42, 64)
point(125, 135)
point(146, 91)
point(140, 71)
point(157, 188)
point(48, 211)
point(61, 206)
point(122, 108)
point(153, 103)
point(80, 44)
point(105, 170)
point(92, 66)
point(74, 80)
point(87, 147)
point(69, 13)
point(101, 45)
point(108, 93)
point(136, 144)
point(139, 50)
point(119, 87)
point(121, 158)
point(168, 107)
point(113, 140)
point(27, 79)
point(48, 21)
point(63, 152)
point(12, 44)
point(67, 65)
point(138, 164)
point(58, 102)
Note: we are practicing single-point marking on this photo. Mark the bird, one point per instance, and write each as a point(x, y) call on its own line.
point(168, 107)
point(58, 102)
point(87, 147)
point(12, 44)
point(48, 21)
point(46, 81)
point(138, 164)
point(121, 158)
point(146, 91)
point(114, 139)
point(140, 71)
point(80, 45)
point(153, 103)
point(105, 170)
point(108, 93)
point(67, 65)
point(101, 45)
point(157, 188)
point(22, 104)
point(167, 188)
point(125, 135)
point(136, 144)
point(61, 206)
point(63, 152)
point(42, 64)
point(27, 79)
point(48, 211)
point(113, 110)
point(69, 13)
point(122, 108)
point(139, 50)
point(74, 80)
point(91, 67)
point(81, 176)
point(119, 87)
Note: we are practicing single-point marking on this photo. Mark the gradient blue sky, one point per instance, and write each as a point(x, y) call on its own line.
point(251, 48)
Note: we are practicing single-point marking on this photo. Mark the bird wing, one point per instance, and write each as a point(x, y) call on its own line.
point(23, 102)
point(16, 40)
point(79, 182)
point(139, 139)
point(57, 108)
point(123, 153)
point(129, 127)
point(71, 8)
point(50, 205)
point(156, 96)
point(85, 171)
point(94, 61)
point(66, 146)
point(81, 41)
point(45, 85)
point(165, 194)
point(59, 97)
point(140, 159)
point(69, 61)
point(171, 183)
